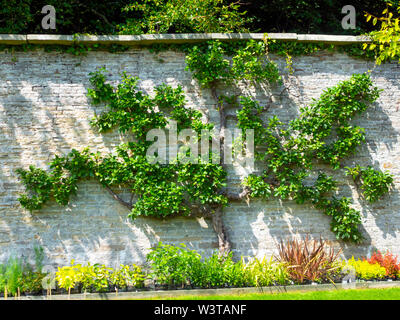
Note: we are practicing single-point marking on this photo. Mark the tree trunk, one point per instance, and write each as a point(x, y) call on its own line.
point(224, 244)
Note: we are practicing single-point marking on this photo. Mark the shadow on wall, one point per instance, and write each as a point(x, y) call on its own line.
point(44, 111)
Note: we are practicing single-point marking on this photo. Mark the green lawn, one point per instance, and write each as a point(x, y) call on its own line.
point(357, 294)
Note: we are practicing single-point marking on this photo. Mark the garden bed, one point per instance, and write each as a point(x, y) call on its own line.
point(149, 294)
point(173, 270)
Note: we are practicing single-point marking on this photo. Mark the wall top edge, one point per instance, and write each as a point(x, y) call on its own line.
point(174, 38)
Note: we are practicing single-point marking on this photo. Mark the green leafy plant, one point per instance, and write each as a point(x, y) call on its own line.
point(161, 188)
point(170, 265)
point(321, 132)
point(32, 281)
point(385, 40)
point(374, 183)
point(179, 266)
point(183, 16)
point(288, 152)
point(209, 63)
point(67, 277)
point(264, 272)
point(127, 276)
point(217, 271)
point(11, 275)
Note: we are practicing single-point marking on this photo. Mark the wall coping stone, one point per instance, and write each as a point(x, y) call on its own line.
point(49, 39)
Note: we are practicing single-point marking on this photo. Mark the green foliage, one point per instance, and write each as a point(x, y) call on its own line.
point(288, 49)
point(15, 15)
point(67, 277)
point(309, 16)
point(183, 16)
point(57, 184)
point(17, 275)
point(180, 16)
point(127, 276)
point(12, 275)
point(171, 265)
point(32, 281)
point(321, 132)
point(345, 220)
point(385, 40)
point(209, 64)
point(162, 189)
point(38, 182)
point(264, 272)
point(249, 63)
point(179, 266)
point(374, 183)
point(217, 271)
point(72, 16)
point(283, 48)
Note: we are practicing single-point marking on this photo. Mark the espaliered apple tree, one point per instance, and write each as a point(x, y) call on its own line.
point(322, 132)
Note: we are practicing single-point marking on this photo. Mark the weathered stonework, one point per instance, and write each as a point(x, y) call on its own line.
point(44, 111)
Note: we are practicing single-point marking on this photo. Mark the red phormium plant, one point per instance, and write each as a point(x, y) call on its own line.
point(388, 261)
point(308, 260)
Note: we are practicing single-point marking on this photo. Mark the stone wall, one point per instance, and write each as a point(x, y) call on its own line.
point(44, 111)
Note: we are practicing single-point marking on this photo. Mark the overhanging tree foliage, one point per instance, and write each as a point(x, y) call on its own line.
point(178, 16)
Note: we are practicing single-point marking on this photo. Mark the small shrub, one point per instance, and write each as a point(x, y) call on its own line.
point(374, 184)
point(217, 271)
point(98, 277)
point(259, 273)
point(67, 277)
point(32, 282)
point(388, 261)
point(12, 275)
point(309, 260)
point(17, 275)
point(367, 271)
point(127, 276)
point(170, 265)
point(101, 277)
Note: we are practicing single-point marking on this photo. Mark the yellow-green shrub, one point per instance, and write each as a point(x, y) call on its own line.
point(98, 276)
point(366, 270)
point(264, 272)
point(127, 276)
point(67, 277)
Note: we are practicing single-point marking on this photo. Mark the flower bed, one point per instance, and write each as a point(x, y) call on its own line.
point(176, 267)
